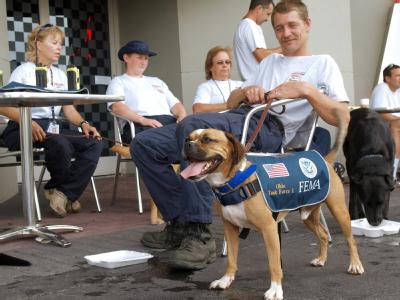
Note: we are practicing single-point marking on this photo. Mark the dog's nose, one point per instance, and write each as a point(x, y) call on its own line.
point(189, 145)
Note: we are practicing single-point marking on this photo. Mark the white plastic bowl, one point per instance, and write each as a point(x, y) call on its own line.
point(116, 259)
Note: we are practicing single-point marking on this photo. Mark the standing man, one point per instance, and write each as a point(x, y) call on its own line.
point(248, 41)
point(387, 94)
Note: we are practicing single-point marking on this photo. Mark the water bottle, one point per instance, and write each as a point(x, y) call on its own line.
point(41, 76)
point(73, 78)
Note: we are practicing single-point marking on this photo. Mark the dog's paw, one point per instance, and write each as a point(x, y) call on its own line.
point(275, 292)
point(317, 262)
point(355, 269)
point(223, 283)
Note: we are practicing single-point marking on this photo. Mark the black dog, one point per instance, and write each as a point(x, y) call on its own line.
point(369, 150)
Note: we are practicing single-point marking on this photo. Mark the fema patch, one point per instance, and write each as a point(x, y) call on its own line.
point(292, 180)
point(308, 168)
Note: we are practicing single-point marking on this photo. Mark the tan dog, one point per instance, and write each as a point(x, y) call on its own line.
point(216, 156)
point(155, 216)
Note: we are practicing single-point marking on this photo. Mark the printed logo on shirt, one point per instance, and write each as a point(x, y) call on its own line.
point(58, 86)
point(296, 76)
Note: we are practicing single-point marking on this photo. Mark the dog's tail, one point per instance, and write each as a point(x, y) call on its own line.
point(341, 135)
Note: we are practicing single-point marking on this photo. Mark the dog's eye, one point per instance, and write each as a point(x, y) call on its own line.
point(205, 139)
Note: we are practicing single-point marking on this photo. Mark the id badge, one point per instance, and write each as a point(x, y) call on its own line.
point(54, 128)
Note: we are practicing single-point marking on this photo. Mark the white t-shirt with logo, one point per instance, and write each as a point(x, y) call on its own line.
point(56, 80)
point(383, 96)
point(146, 96)
point(319, 70)
point(215, 91)
point(248, 37)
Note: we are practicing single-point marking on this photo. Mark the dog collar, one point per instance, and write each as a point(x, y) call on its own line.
point(238, 179)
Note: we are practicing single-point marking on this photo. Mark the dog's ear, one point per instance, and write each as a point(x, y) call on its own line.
point(238, 149)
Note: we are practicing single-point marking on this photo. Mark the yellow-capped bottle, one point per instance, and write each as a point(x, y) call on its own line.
point(41, 76)
point(73, 78)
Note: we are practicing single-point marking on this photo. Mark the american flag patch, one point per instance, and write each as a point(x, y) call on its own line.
point(276, 170)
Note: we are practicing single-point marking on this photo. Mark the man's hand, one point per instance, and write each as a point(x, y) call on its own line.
point(180, 118)
point(89, 130)
point(254, 95)
point(38, 133)
point(150, 123)
point(290, 90)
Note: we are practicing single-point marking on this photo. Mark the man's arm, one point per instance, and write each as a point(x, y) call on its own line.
point(178, 110)
point(326, 107)
point(261, 53)
point(123, 110)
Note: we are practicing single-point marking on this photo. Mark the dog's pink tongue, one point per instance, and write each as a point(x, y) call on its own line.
point(193, 169)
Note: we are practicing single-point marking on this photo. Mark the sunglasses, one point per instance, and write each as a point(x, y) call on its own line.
point(41, 28)
point(389, 68)
point(222, 62)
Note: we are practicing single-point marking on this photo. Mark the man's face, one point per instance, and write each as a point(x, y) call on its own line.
point(393, 80)
point(264, 13)
point(136, 63)
point(292, 33)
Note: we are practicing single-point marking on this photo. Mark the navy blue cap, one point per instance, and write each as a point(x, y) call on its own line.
point(136, 46)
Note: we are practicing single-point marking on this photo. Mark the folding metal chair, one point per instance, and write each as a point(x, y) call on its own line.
point(38, 162)
point(118, 122)
point(314, 119)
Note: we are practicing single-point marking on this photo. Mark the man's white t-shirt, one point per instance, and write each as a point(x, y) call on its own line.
point(215, 91)
point(383, 96)
point(146, 96)
point(248, 37)
point(319, 70)
point(56, 80)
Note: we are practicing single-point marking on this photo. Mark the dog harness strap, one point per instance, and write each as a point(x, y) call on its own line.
point(239, 195)
point(238, 179)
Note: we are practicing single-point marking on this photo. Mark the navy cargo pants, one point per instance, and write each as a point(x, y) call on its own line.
point(154, 151)
point(69, 177)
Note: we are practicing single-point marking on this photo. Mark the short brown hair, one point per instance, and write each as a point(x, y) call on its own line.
point(210, 56)
point(255, 3)
point(286, 6)
point(39, 33)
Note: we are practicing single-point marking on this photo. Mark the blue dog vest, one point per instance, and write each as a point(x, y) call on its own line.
point(292, 180)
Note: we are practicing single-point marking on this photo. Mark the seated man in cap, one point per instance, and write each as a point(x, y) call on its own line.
point(148, 101)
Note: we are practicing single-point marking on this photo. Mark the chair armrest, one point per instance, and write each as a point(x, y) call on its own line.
point(118, 122)
point(258, 108)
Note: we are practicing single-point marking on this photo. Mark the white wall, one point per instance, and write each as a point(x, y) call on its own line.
point(368, 22)
point(157, 24)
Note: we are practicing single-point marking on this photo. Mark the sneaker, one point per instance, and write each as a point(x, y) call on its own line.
point(170, 237)
point(58, 201)
point(197, 250)
point(73, 206)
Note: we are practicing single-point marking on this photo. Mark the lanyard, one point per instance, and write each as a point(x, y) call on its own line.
point(53, 114)
point(222, 94)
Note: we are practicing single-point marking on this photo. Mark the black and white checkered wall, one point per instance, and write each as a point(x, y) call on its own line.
point(85, 24)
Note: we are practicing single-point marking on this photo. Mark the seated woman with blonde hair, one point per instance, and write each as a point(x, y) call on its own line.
point(211, 95)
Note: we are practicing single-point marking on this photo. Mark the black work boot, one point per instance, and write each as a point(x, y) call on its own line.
point(196, 250)
point(170, 237)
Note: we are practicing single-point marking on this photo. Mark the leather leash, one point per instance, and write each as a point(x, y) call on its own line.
point(84, 136)
point(259, 123)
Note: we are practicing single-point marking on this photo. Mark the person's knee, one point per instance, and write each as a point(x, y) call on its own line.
point(59, 147)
